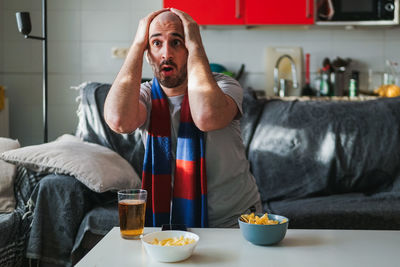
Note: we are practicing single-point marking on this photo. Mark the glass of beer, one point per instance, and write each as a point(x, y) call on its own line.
point(132, 210)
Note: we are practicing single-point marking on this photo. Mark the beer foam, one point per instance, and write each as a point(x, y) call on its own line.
point(132, 201)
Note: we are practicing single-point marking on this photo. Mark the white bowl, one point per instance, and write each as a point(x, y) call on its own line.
point(172, 253)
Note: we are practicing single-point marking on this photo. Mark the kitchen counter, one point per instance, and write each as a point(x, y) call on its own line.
point(322, 98)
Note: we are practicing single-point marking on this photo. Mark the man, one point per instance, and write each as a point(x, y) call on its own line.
point(195, 168)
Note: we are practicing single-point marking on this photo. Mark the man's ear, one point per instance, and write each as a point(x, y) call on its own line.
point(146, 53)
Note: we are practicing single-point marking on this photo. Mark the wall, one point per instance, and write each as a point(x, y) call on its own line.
point(82, 32)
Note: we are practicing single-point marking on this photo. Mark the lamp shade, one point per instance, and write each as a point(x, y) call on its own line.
point(24, 22)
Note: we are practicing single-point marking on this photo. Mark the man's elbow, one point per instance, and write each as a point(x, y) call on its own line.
point(120, 125)
point(208, 124)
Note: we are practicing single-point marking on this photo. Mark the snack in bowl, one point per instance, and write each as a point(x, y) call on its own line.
point(254, 219)
point(263, 229)
point(170, 246)
point(181, 241)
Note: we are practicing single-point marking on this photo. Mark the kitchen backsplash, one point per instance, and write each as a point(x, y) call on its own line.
point(368, 48)
point(83, 32)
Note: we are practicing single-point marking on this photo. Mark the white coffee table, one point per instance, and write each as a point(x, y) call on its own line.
point(227, 247)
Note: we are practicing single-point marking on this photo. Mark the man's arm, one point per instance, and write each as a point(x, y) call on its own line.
point(122, 110)
point(211, 109)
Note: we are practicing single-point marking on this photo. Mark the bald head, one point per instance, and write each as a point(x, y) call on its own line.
point(167, 16)
point(166, 21)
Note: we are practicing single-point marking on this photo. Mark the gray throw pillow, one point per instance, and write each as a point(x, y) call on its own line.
point(7, 175)
point(98, 167)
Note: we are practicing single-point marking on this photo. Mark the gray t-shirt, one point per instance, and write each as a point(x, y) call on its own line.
point(231, 188)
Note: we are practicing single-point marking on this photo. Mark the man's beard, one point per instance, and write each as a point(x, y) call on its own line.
point(171, 81)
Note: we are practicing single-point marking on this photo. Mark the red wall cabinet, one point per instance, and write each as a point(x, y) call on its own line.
point(211, 12)
point(279, 12)
point(247, 12)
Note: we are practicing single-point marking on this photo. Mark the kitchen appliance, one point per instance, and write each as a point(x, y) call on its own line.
point(342, 73)
point(284, 69)
point(357, 12)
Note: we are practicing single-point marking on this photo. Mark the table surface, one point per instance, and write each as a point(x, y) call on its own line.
point(227, 247)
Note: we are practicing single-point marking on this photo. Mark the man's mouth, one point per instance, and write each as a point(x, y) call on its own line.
point(167, 70)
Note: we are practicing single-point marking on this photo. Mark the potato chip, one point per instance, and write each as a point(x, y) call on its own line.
point(263, 220)
point(175, 241)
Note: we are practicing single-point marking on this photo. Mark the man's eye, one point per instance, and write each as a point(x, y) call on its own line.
point(176, 42)
point(156, 43)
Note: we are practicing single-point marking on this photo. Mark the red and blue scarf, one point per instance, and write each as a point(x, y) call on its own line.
point(189, 193)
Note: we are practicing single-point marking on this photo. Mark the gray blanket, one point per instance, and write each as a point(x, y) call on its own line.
point(14, 226)
point(60, 205)
point(62, 213)
point(66, 212)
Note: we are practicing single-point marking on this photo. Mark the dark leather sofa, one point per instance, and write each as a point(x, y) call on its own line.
point(326, 164)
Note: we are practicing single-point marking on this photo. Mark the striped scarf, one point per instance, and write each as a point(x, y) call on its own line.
point(189, 196)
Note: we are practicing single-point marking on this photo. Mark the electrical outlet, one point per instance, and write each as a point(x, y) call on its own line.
point(119, 52)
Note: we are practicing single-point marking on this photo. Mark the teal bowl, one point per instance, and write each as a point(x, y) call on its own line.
point(265, 235)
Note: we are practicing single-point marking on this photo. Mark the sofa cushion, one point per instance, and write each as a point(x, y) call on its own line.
point(344, 211)
point(312, 148)
point(93, 128)
point(97, 167)
point(7, 174)
point(252, 110)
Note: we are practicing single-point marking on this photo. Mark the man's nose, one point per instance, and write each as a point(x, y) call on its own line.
point(167, 51)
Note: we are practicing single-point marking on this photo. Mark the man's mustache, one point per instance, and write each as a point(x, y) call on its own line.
point(168, 62)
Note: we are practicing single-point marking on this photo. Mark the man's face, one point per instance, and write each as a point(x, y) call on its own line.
point(167, 53)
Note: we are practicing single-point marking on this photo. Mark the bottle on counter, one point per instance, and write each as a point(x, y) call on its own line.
point(307, 90)
point(326, 88)
point(353, 84)
point(352, 88)
point(317, 83)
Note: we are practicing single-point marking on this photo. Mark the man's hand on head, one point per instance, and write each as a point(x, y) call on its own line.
point(142, 33)
point(123, 111)
point(191, 30)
